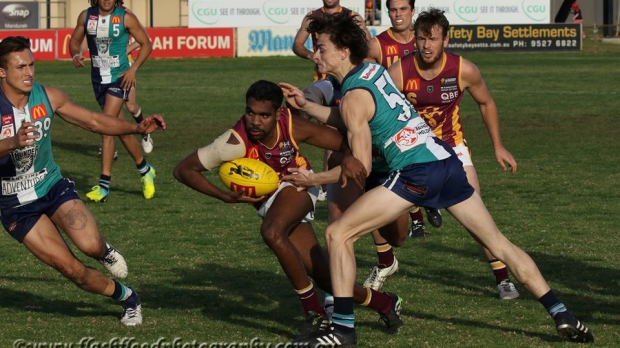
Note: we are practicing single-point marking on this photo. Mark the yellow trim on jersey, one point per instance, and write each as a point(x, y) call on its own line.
point(443, 65)
point(460, 73)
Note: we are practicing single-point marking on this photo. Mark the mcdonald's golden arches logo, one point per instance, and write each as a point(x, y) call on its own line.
point(38, 112)
point(392, 50)
point(412, 85)
point(116, 19)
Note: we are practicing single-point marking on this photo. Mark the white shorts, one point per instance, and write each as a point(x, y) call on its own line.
point(313, 192)
point(462, 152)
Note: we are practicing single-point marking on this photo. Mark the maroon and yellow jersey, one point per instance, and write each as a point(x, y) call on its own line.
point(436, 100)
point(392, 50)
point(283, 155)
point(319, 13)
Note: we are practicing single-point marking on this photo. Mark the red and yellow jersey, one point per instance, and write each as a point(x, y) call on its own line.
point(436, 100)
point(392, 50)
point(283, 155)
point(319, 13)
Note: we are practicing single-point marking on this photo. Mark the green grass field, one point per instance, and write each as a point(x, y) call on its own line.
point(204, 274)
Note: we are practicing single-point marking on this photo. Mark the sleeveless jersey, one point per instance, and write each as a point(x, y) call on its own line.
point(107, 42)
point(392, 50)
point(319, 13)
point(436, 100)
point(27, 174)
point(398, 133)
point(285, 154)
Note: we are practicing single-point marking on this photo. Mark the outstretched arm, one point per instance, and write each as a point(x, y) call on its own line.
point(295, 97)
point(98, 122)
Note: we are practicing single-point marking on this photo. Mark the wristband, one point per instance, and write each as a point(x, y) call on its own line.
point(76, 55)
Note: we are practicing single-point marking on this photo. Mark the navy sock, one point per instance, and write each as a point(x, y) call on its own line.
point(121, 292)
point(143, 167)
point(552, 303)
point(104, 181)
point(343, 317)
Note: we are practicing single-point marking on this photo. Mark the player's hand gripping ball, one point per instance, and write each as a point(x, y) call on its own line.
point(252, 176)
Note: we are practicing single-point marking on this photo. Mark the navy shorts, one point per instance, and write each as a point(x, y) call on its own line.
point(20, 220)
point(439, 184)
point(114, 89)
point(375, 179)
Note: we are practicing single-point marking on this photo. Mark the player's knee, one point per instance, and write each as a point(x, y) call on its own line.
point(273, 235)
point(95, 249)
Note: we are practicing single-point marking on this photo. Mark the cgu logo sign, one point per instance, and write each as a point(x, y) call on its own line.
point(204, 13)
point(275, 12)
point(535, 10)
point(16, 12)
point(465, 11)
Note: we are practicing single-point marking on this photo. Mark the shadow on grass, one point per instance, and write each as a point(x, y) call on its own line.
point(25, 301)
point(587, 282)
point(261, 300)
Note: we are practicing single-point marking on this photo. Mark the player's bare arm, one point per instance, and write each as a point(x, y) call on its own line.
point(75, 44)
point(295, 97)
point(357, 108)
point(316, 135)
point(99, 122)
point(396, 73)
point(473, 82)
point(374, 51)
point(299, 44)
point(190, 170)
point(138, 32)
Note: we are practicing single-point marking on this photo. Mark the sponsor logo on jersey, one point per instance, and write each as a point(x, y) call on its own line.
point(448, 88)
point(116, 20)
point(7, 131)
point(91, 26)
point(7, 119)
point(22, 183)
point(406, 137)
point(447, 80)
point(38, 112)
point(412, 85)
point(253, 153)
point(391, 50)
point(93, 17)
point(370, 71)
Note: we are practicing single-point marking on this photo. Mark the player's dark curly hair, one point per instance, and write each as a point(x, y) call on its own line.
point(263, 90)
point(344, 32)
point(12, 44)
point(93, 3)
point(429, 19)
point(411, 3)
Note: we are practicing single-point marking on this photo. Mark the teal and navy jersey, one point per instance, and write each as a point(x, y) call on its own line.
point(399, 134)
point(107, 42)
point(29, 173)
